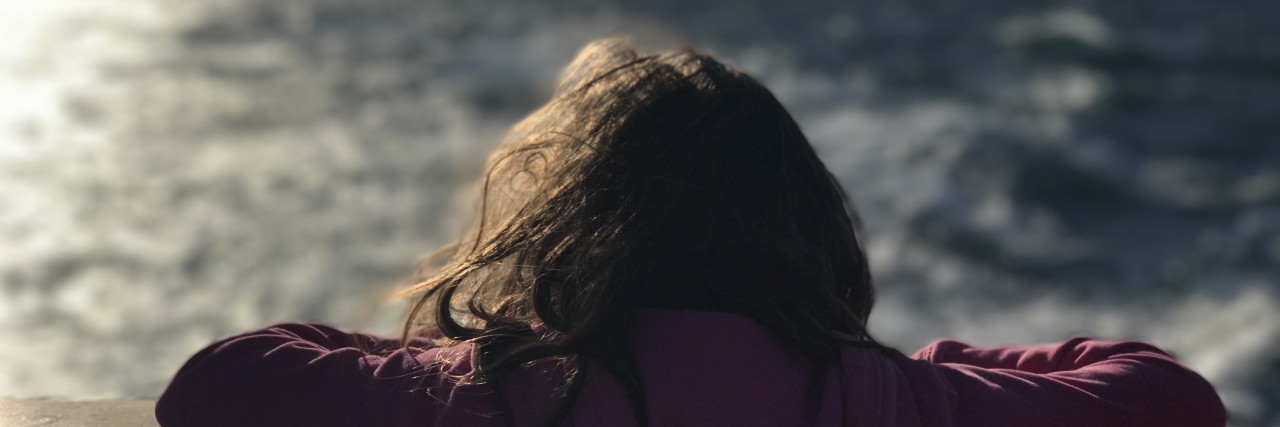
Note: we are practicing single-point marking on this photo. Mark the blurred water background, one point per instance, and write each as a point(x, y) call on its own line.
point(174, 172)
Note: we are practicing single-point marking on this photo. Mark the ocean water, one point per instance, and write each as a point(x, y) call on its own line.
point(174, 172)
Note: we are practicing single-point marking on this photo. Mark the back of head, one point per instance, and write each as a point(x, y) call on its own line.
point(650, 181)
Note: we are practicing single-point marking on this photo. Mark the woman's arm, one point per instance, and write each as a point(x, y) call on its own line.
point(1081, 382)
point(314, 375)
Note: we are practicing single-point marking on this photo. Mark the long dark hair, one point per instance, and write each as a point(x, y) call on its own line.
point(649, 181)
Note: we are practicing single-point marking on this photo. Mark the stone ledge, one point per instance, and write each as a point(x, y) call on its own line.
point(73, 413)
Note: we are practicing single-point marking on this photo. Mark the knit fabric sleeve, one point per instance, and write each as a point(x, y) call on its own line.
point(315, 375)
point(1081, 382)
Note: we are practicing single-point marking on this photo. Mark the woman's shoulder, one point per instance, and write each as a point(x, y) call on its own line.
point(311, 374)
point(1081, 381)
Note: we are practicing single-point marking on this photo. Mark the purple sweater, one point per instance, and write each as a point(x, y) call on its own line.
point(698, 369)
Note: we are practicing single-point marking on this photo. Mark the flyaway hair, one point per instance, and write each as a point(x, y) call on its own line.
point(648, 181)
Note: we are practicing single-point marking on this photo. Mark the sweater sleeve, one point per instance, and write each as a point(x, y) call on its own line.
point(1081, 382)
point(314, 375)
